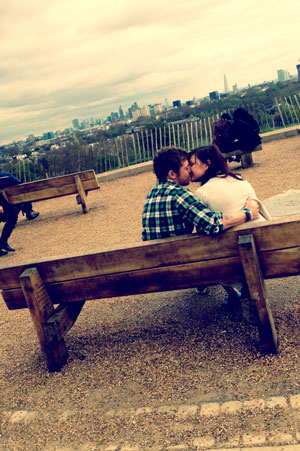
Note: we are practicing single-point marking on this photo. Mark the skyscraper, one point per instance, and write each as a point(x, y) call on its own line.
point(121, 113)
point(225, 84)
point(75, 123)
point(282, 75)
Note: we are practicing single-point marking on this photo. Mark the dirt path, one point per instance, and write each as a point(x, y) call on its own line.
point(141, 368)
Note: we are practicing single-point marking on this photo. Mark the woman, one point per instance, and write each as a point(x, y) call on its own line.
point(221, 190)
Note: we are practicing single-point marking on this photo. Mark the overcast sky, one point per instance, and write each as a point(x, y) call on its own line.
point(66, 59)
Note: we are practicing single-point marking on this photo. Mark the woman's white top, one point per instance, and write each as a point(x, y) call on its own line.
point(228, 195)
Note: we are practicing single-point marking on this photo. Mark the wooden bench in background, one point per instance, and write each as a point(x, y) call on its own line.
point(252, 253)
point(78, 183)
point(246, 157)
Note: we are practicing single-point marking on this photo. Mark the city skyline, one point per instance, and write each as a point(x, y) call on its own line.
point(67, 60)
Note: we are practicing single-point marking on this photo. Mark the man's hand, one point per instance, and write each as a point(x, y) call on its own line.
point(1, 209)
point(253, 207)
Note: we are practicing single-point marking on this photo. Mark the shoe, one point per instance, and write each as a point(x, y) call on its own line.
point(202, 290)
point(232, 300)
point(3, 252)
point(7, 247)
point(32, 214)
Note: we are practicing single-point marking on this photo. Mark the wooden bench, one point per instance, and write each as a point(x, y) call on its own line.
point(78, 183)
point(252, 253)
point(246, 157)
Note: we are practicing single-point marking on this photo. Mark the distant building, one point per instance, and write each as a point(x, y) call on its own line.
point(31, 138)
point(225, 84)
point(214, 95)
point(235, 88)
point(298, 70)
point(133, 107)
point(136, 113)
point(145, 111)
point(121, 113)
point(75, 123)
point(48, 135)
point(283, 75)
point(157, 108)
point(176, 103)
point(114, 117)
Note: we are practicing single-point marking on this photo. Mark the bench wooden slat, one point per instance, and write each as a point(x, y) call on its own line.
point(275, 264)
point(53, 182)
point(269, 236)
point(49, 188)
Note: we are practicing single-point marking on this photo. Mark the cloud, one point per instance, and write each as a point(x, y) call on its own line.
point(68, 58)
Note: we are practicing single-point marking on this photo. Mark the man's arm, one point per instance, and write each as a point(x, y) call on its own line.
point(241, 217)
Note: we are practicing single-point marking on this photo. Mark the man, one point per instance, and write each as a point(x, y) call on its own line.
point(26, 207)
point(172, 210)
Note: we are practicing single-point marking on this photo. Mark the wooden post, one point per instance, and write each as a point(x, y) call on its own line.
point(247, 160)
point(81, 194)
point(41, 309)
point(257, 292)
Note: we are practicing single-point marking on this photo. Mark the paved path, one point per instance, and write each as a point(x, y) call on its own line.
point(257, 424)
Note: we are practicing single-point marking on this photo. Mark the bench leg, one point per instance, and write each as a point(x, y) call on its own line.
point(81, 194)
point(247, 160)
point(61, 321)
point(257, 292)
point(41, 309)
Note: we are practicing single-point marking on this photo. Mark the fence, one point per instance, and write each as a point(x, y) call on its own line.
point(142, 145)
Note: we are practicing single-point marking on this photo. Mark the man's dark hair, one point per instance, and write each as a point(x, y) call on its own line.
point(226, 116)
point(167, 159)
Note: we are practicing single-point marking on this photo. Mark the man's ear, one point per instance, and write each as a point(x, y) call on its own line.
point(172, 175)
point(208, 163)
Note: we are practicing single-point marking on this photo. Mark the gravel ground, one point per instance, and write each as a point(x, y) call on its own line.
point(145, 351)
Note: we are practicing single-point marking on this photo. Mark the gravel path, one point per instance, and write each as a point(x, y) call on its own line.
point(140, 354)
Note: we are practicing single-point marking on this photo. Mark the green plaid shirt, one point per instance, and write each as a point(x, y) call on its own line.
point(171, 210)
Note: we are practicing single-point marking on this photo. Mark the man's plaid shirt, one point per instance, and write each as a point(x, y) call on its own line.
point(171, 210)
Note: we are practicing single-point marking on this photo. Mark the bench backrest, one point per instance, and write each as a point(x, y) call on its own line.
point(51, 187)
point(160, 265)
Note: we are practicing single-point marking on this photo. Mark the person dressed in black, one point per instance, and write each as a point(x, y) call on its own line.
point(8, 215)
point(26, 207)
point(223, 136)
point(245, 130)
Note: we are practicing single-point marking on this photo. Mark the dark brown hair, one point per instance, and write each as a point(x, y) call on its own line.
point(168, 158)
point(218, 165)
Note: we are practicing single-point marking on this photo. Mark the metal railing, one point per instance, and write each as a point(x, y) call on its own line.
point(142, 145)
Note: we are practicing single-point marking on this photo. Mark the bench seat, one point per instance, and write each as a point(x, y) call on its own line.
point(246, 156)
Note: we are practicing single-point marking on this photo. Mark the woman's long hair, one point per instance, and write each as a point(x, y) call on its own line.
point(217, 164)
